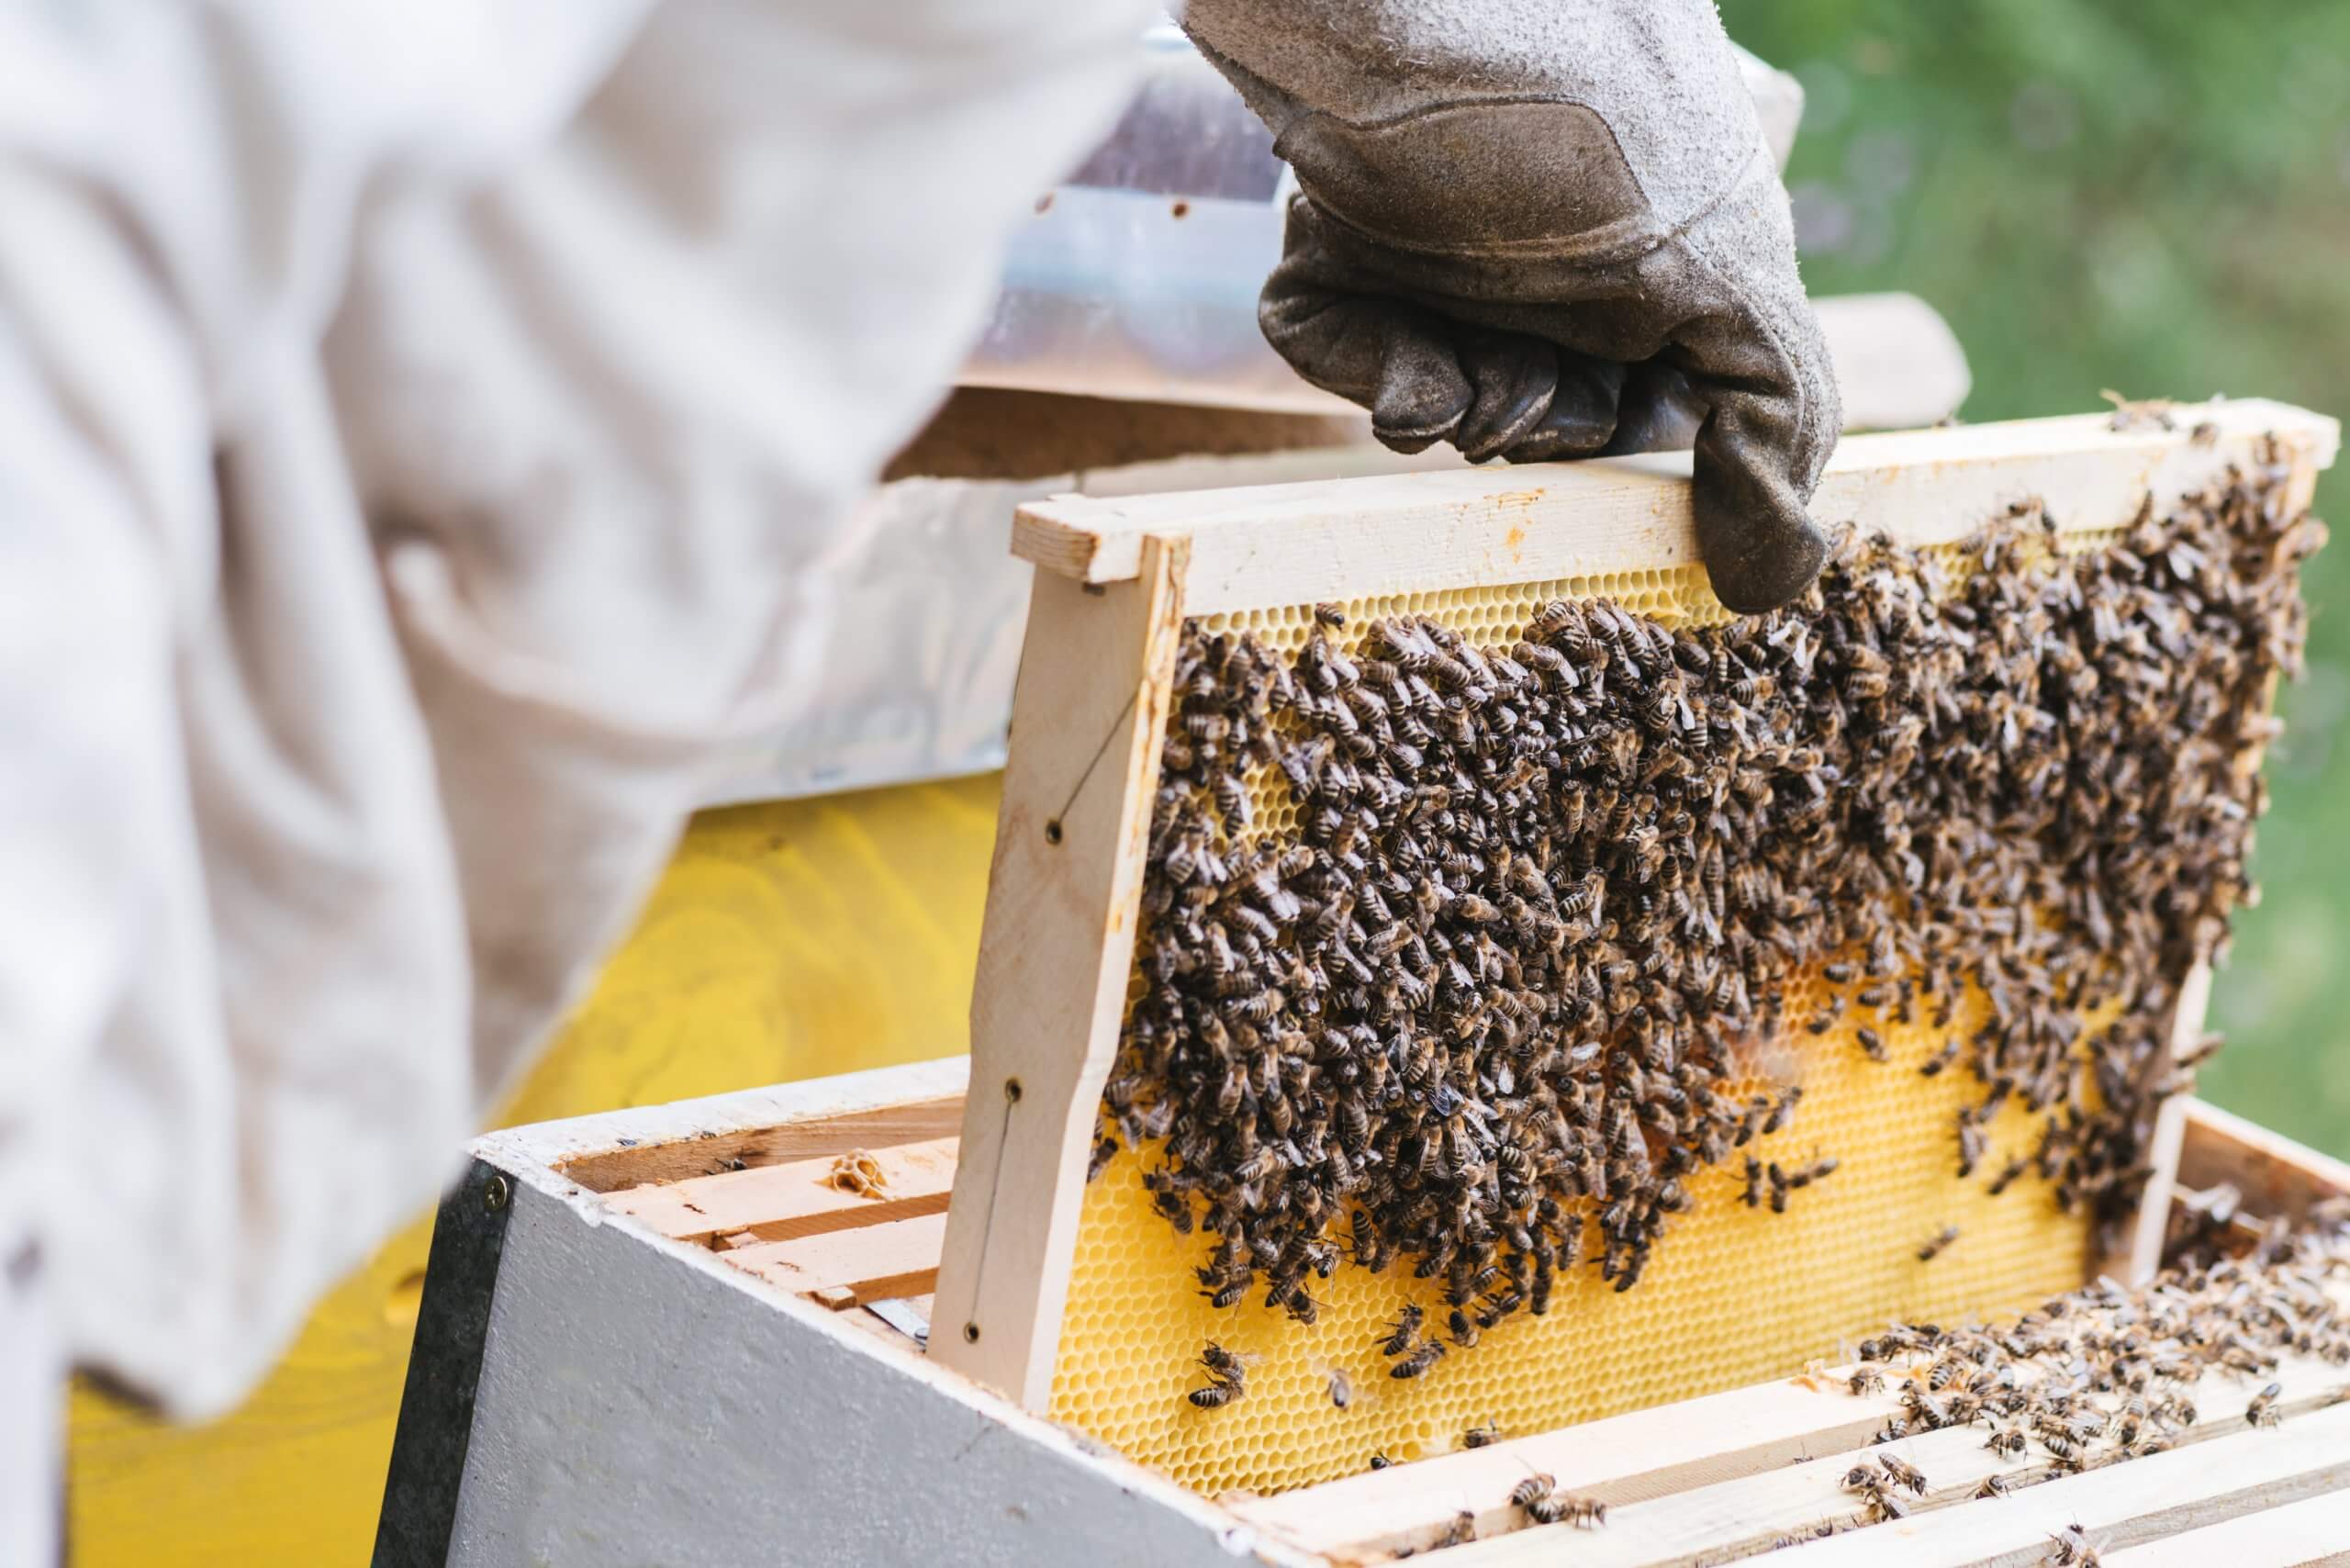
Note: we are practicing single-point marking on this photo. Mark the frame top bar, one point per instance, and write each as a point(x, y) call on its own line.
point(1426, 532)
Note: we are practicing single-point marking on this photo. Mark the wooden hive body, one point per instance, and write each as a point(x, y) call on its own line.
point(603, 1379)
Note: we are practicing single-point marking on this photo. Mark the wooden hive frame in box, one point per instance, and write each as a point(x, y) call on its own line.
point(1118, 578)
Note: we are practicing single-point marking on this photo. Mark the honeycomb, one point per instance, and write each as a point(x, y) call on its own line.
point(1732, 1295)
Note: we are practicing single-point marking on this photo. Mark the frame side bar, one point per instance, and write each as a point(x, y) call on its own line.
point(1056, 948)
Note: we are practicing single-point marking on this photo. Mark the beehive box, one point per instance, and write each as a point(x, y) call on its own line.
point(592, 1390)
point(1071, 1298)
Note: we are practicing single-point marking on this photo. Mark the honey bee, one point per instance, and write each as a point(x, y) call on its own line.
point(1583, 1513)
point(2071, 1548)
point(1903, 1472)
point(1342, 1391)
point(1818, 1170)
point(1227, 1293)
point(1459, 1533)
point(1993, 1486)
point(1422, 1357)
point(1481, 1436)
point(1404, 1331)
point(1935, 1245)
point(2261, 1411)
point(1971, 1145)
point(1876, 1486)
point(1221, 1363)
point(1214, 1395)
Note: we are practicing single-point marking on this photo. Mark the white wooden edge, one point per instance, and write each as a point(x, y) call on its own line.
point(1656, 1453)
point(1056, 951)
point(1899, 366)
point(2315, 1530)
point(893, 1435)
point(1475, 527)
point(794, 1198)
point(544, 1145)
point(2276, 1176)
point(2140, 1249)
point(1750, 1513)
point(2124, 1505)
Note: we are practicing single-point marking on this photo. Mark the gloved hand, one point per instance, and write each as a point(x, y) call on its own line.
point(1544, 229)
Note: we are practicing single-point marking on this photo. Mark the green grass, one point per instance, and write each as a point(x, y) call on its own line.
point(2151, 196)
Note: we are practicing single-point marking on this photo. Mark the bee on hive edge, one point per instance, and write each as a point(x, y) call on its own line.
point(1584, 1513)
point(1904, 1474)
point(1481, 1437)
point(2262, 1410)
point(1533, 1489)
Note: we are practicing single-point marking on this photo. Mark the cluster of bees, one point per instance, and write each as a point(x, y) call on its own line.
point(1479, 1012)
point(2102, 1375)
point(1882, 1481)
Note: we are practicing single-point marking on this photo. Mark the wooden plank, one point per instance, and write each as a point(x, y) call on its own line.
point(2315, 1530)
point(775, 1203)
point(1056, 950)
point(2121, 1505)
point(2139, 1251)
point(1466, 528)
point(1620, 1459)
point(818, 1136)
point(1731, 1518)
point(846, 1268)
point(2279, 1178)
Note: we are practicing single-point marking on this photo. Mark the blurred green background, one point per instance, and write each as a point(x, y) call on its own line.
point(2151, 196)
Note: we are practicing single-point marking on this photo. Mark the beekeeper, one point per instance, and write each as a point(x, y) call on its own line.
point(426, 432)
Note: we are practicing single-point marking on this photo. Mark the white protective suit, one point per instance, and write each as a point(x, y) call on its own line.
point(425, 430)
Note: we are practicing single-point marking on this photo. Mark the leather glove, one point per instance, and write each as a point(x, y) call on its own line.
point(1546, 229)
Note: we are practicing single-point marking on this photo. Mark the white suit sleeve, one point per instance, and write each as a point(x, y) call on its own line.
point(424, 434)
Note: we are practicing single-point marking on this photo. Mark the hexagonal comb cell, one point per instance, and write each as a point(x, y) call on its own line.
point(1734, 1295)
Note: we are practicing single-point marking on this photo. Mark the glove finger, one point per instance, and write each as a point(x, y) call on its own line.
point(1512, 377)
point(1582, 413)
point(1660, 411)
point(1758, 456)
point(1394, 358)
point(1423, 394)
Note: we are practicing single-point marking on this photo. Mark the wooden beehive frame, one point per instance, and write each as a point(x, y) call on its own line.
point(1116, 580)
